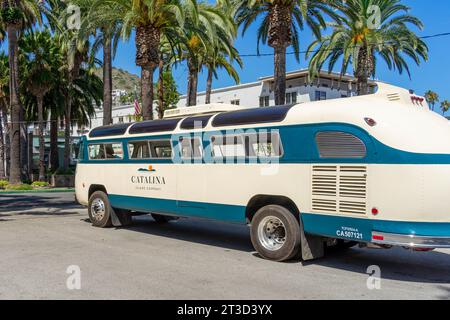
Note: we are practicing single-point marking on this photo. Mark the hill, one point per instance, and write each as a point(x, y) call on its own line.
point(122, 79)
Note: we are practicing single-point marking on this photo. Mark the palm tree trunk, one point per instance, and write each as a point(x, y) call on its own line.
point(364, 70)
point(54, 156)
point(192, 83)
point(107, 81)
point(280, 75)
point(24, 154)
point(209, 81)
point(14, 177)
point(40, 105)
point(161, 106)
point(147, 91)
point(67, 121)
point(2, 146)
point(7, 145)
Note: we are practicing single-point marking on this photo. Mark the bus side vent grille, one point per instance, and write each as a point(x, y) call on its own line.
point(339, 189)
point(336, 144)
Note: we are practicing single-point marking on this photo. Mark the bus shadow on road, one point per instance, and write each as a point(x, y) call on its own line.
point(212, 233)
point(395, 264)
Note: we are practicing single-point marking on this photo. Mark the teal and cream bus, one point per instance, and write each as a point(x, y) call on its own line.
point(369, 170)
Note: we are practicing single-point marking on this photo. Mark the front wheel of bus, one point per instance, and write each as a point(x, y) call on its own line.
point(275, 233)
point(99, 210)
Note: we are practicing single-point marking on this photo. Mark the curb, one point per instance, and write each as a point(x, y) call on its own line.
point(37, 191)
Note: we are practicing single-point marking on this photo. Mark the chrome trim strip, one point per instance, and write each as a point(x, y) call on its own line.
point(411, 240)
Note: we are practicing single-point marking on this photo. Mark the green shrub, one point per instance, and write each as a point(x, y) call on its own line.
point(40, 184)
point(3, 184)
point(15, 187)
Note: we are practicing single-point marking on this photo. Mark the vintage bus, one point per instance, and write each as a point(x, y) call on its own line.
point(371, 170)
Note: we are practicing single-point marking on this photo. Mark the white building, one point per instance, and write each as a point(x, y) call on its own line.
point(299, 89)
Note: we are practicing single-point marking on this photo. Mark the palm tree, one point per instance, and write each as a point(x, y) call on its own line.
point(15, 14)
point(355, 40)
point(432, 98)
point(4, 136)
point(150, 19)
point(281, 21)
point(216, 59)
point(75, 47)
point(103, 24)
point(209, 27)
point(41, 54)
point(445, 105)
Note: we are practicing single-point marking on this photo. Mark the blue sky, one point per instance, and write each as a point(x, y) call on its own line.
point(434, 74)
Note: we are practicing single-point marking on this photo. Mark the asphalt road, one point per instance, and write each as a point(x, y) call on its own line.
point(41, 235)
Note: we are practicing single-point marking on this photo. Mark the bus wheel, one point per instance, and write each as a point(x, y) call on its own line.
point(99, 210)
point(275, 233)
point(162, 218)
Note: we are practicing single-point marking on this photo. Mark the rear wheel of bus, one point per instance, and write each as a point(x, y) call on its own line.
point(275, 233)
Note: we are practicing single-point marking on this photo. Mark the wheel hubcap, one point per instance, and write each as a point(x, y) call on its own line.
point(98, 209)
point(272, 233)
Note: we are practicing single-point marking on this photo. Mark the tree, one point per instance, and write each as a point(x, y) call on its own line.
point(281, 21)
point(170, 95)
point(103, 23)
point(208, 27)
point(15, 14)
point(369, 29)
point(445, 105)
point(432, 98)
point(4, 136)
point(150, 19)
point(75, 47)
point(41, 55)
point(217, 59)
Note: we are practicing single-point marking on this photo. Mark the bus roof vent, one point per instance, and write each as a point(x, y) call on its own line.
point(200, 109)
point(393, 97)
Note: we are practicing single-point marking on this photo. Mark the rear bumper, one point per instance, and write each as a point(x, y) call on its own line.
point(410, 240)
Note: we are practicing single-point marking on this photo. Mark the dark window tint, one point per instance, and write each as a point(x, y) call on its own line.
point(112, 130)
point(154, 126)
point(251, 116)
point(192, 122)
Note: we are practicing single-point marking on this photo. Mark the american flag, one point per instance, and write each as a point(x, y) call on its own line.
point(137, 107)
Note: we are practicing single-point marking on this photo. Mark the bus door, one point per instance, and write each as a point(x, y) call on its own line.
point(191, 176)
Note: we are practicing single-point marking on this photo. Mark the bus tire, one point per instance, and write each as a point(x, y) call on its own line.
point(159, 218)
point(275, 233)
point(99, 210)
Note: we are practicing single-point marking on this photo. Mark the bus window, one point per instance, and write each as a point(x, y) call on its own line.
point(161, 149)
point(228, 146)
point(96, 151)
point(105, 151)
point(264, 145)
point(138, 150)
point(191, 148)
